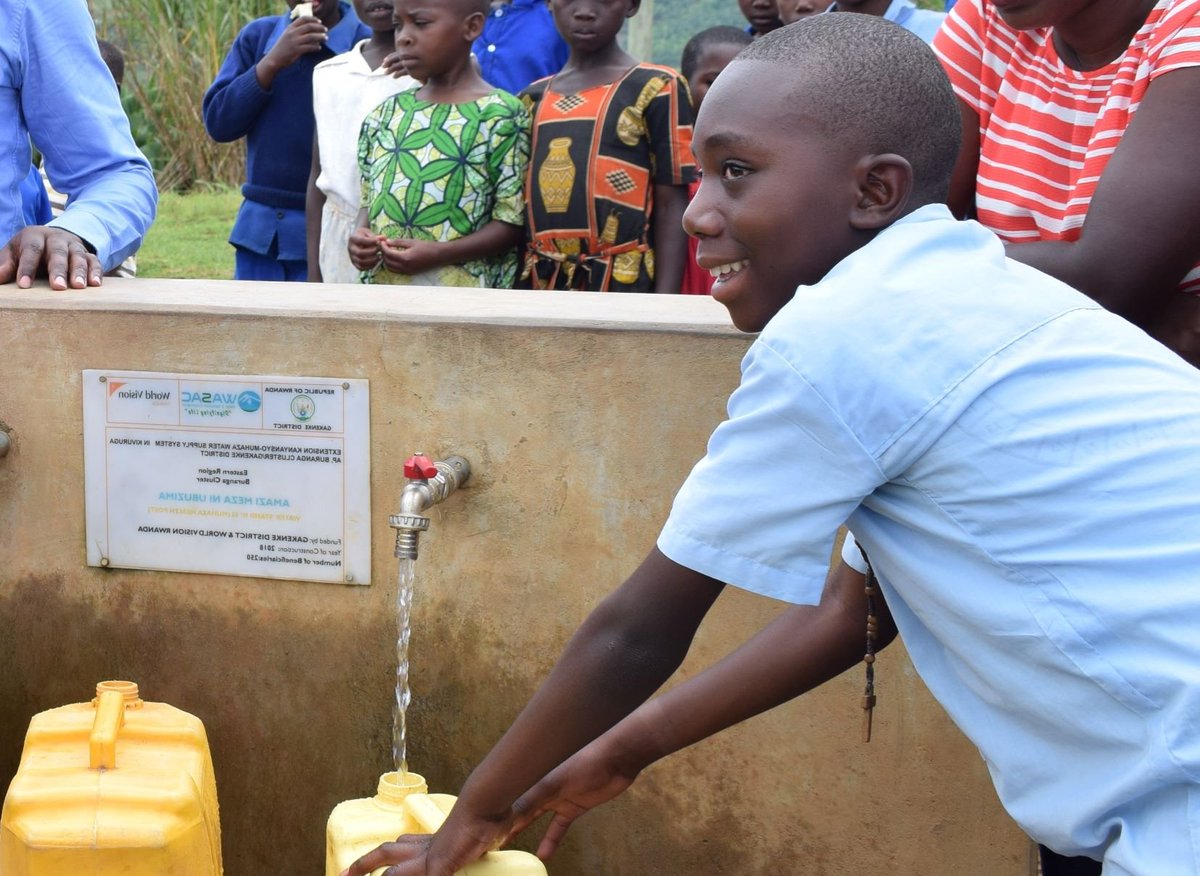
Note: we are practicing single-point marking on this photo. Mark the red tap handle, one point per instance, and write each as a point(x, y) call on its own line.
point(419, 466)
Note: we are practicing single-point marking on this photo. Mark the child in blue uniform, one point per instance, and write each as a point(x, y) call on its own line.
point(263, 93)
point(1021, 467)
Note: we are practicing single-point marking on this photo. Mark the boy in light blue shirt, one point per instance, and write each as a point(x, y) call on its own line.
point(1021, 466)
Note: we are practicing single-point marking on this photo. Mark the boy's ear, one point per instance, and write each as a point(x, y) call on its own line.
point(473, 26)
point(634, 6)
point(885, 183)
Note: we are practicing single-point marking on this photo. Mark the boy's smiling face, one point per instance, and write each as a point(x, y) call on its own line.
point(775, 200)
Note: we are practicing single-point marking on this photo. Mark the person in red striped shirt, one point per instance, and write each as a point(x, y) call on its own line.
point(1080, 119)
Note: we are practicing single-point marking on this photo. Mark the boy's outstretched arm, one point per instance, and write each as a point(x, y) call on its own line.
point(626, 648)
point(670, 240)
point(801, 649)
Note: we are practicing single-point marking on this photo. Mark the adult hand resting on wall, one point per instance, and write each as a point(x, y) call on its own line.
point(56, 91)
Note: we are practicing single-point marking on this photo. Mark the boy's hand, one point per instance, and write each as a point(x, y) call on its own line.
point(461, 840)
point(303, 36)
point(588, 778)
point(394, 67)
point(54, 252)
point(403, 255)
point(364, 248)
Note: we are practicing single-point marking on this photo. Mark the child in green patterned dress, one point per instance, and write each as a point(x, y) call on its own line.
point(442, 164)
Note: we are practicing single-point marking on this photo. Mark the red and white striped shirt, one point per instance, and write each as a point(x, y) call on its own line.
point(1046, 131)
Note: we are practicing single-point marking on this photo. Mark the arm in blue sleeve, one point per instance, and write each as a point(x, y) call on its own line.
point(235, 100)
point(76, 121)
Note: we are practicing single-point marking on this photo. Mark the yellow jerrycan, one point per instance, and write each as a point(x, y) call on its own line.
point(114, 786)
point(403, 806)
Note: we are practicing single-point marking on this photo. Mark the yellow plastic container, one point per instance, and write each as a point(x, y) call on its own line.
point(402, 806)
point(114, 786)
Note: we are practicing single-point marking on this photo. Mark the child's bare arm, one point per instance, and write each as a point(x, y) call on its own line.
point(961, 199)
point(627, 647)
point(803, 648)
point(314, 205)
point(670, 241)
point(407, 256)
point(1139, 237)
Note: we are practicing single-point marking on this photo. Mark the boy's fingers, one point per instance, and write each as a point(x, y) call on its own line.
point(555, 831)
point(409, 849)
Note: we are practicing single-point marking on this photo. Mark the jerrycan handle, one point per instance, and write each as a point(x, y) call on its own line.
point(110, 716)
point(426, 812)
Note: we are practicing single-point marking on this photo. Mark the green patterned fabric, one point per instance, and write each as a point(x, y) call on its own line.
point(439, 171)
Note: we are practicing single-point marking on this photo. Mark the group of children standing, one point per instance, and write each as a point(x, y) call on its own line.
point(437, 157)
point(422, 172)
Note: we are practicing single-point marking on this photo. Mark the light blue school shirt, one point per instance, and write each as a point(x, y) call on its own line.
point(923, 22)
point(1023, 469)
point(56, 90)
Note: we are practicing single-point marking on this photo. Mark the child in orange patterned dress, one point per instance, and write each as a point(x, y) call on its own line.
point(610, 162)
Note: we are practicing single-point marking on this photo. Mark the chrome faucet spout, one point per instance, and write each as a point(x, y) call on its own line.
point(428, 484)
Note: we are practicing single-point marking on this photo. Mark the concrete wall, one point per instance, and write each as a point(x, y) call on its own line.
point(581, 415)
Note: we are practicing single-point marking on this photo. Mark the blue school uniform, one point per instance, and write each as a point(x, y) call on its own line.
point(278, 126)
point(519, 45)
point(1023, 469)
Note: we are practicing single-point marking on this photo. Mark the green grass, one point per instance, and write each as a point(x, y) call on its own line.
point(190, 238)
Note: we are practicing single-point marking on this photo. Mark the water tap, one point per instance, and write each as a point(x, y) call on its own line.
point(429, 482)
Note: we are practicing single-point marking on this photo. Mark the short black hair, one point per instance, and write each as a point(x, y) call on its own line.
point(115, 60)
point(875, 86)
point(722, 35)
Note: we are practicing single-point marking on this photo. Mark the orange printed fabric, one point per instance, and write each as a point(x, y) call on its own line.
point(1046, 130)
point(596, 156)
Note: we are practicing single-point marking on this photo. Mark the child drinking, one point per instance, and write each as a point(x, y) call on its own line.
point(442, 164)
point(705, 55)
point(345, 89)
point(263, 94)
point(611, 160)
point(1021, 466)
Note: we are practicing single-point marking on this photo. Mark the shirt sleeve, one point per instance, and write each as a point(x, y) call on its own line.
point(761, 509)
point(366, 138)
point(235, 100)
point(507, 160)
point(1175, 42)
point(75, 119)
point(668, 118)
point(959, 45)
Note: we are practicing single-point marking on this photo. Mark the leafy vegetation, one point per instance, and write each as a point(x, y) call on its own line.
point(173, 50)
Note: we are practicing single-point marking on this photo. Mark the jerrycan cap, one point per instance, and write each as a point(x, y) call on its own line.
point(395, 786)
point(127, 689)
